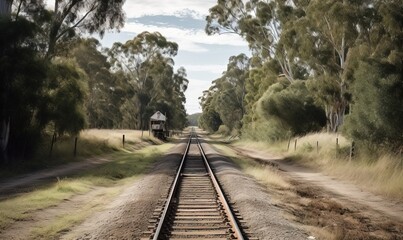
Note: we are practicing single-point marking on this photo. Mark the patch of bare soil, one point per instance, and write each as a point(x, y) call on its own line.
point(23, 229)
point(126, 217)
point(263, 218)
point(28, 182)
point(330, 208)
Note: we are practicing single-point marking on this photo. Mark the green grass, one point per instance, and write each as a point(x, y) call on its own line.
point(125, 167)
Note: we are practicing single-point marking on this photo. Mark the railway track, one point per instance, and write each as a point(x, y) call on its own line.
point(196, 207)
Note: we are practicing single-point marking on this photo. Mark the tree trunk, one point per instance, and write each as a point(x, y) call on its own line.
point(5, 11)
point(4, 136)
point(5, 8)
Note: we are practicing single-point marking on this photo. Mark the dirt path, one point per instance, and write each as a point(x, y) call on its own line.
point(29, 181)
point(117, 212)
point(125, 215)
point(262, 217)
point(341, 190)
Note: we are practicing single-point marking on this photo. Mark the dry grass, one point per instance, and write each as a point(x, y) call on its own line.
point(125, 167)
point(64, 221)
point(91, 142)
point(383, 175)
point(266, 174)
point(317, 212)
point(21, 207)
point(114, 137)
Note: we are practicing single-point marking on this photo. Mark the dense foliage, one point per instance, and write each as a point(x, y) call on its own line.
point(54, 81)
point(314, 63)
point(193, 119)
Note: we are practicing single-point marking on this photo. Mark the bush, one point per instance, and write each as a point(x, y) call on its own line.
point(265, 130)
point(224, 130)
point(377, 114)
point(292, 106)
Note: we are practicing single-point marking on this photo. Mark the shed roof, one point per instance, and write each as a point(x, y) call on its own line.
point(158, 116)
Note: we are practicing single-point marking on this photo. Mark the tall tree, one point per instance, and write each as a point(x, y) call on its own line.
point(21, 86)
point(329, 30)
point(227, 95)
point(147, 62)
point(5, 8)
point(88, 16)
point(377, 80)
point(106, 91)
point(260, 23)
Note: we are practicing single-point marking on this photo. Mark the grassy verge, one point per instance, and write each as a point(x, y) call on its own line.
point(91, 142)
point(125, 167)
point(379, 174)
point(63, 222)
point(317, 212)
point(268, 175)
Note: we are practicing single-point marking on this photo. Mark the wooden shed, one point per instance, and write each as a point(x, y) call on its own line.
point(158, 125)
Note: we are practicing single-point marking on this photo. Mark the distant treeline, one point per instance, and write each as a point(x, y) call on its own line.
point(193, 119)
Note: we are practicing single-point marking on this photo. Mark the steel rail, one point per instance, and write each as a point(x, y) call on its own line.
point(172, 192)
point(227, 209)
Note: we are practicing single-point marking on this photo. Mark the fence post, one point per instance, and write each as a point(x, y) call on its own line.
point(352, 150)
point(123, 140)
point(75, 146)
point(337, 146)
point(51, 144)
point(295, 144)
point(317, 146)
point(288, 146)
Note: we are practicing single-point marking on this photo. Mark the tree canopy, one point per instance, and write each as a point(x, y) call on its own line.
point(313, 62)
point(56, 81)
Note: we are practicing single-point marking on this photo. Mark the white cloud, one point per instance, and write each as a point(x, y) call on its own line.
point(188, 40)
point(136, 8)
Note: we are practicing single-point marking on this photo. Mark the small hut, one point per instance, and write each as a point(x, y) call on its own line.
point(158, 125)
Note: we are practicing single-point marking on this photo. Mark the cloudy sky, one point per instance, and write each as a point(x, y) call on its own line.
point(182, 21)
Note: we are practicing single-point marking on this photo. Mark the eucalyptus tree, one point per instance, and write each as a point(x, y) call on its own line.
point(261, 77)
point(148, 64)
point(5, 11)
point(21, 87)
point(87, 16)
point(229, 100)
point(66, 18)
point(210, 119)
point(105, 91)
point(260, 23)
point(5, 7)
point(377, 80)
point(40, 39)
point(226, 96)
point(177, 99)
point(326, 32)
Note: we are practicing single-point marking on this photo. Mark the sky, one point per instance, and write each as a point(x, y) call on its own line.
point(182, 21)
